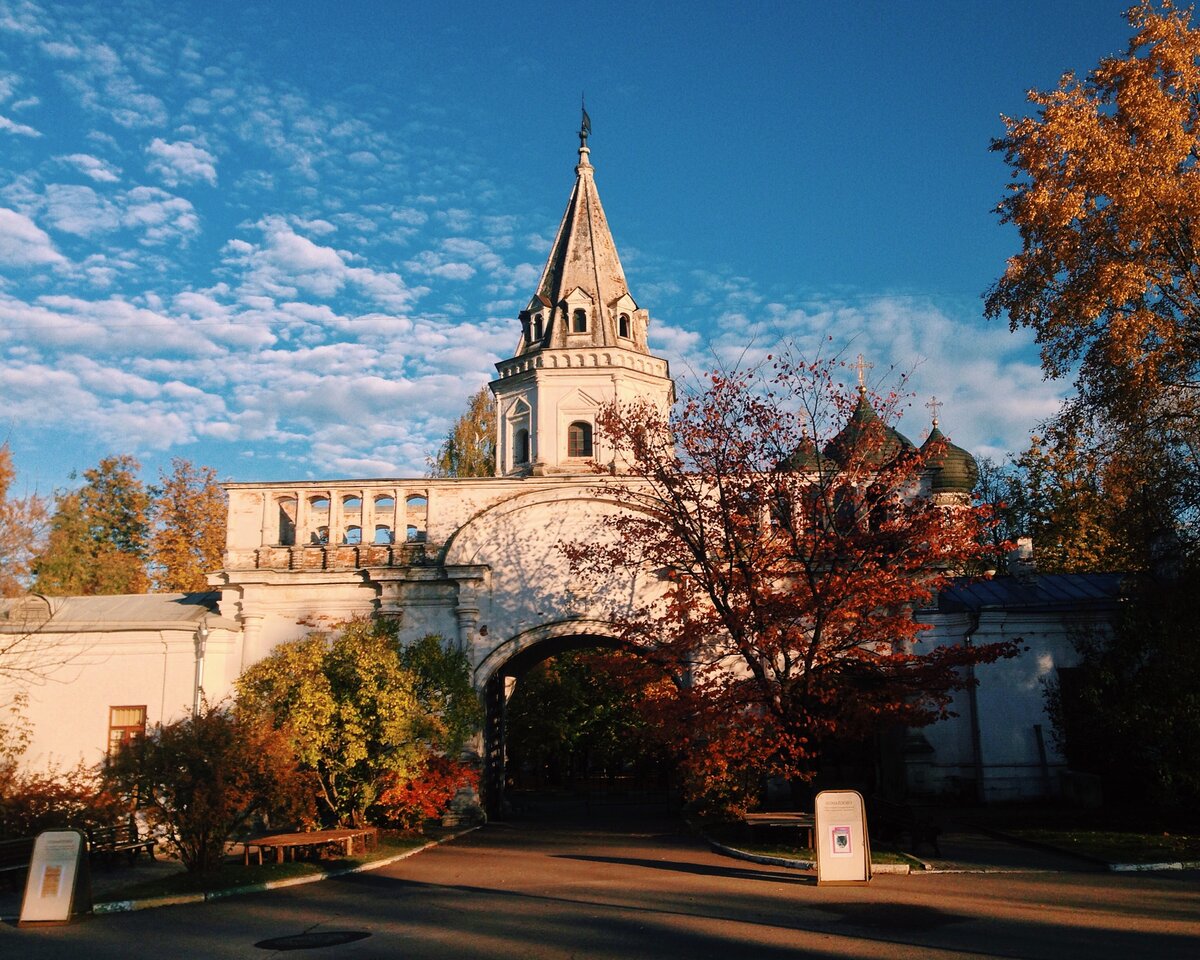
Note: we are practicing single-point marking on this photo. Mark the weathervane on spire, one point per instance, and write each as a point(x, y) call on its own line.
point(861, 366)
point(585, 126)
point(933, 406)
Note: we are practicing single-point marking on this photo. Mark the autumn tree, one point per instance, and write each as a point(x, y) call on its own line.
point(204, 778)
point(98, 534)
point(792, 558)
point(187, 513)
point(469, 449)
point(1104, 194)
point(357, 715)
point(22, 529)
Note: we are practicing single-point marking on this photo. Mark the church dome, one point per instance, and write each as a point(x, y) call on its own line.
point(804, 459)
point(954, 470)
point(868, 437)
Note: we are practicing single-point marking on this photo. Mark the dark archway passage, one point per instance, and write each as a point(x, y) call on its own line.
point(566, 730)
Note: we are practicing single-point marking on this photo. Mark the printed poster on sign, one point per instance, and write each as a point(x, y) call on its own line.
point(840, 842)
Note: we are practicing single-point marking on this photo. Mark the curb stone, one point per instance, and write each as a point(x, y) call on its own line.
point(899, 869)
point(1088, 858)
point(128, 906)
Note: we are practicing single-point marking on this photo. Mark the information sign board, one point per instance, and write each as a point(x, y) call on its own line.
point(842, 845)
point(58, 885)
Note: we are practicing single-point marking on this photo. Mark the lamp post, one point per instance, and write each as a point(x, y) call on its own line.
point(201, 642)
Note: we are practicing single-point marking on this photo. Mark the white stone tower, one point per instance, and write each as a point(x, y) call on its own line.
point(583, 344)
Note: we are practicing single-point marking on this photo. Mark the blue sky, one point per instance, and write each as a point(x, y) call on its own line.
point(288, 239)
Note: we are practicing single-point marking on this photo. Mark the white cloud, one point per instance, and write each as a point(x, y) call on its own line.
point(23, 243)
point(18, 129)
point(101, 171)
point(181, 162)
point(287, 263)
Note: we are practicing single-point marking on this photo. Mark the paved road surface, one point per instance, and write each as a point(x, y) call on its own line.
point(647, 890)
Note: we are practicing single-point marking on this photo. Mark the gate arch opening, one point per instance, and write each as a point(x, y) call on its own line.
point(517, 666)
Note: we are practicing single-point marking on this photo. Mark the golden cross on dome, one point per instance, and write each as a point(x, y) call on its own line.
point(933, 406)
point(862, 367)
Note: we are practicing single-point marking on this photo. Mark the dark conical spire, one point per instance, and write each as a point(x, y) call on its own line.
point(583, 273)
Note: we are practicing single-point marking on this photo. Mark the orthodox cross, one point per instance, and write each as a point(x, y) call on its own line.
point(862, 367)
point(933, 406)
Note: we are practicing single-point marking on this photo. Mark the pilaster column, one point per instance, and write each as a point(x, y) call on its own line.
point(251, 641)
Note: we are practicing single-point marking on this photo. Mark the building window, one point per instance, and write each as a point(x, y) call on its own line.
point(353, 535)
point(287, 522)
point(417, 510)
point(623, 325)
point(521, 446)
point(126, 725)
point(579, 321)
point(383, 533)
point(579, 439)
point(538, 330)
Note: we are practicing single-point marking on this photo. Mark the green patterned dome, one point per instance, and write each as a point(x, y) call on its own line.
point(804, 459)
point(954, 470)
point(867, 435)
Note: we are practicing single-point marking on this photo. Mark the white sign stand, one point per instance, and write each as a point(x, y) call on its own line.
point(842, 846)
point(58, 886)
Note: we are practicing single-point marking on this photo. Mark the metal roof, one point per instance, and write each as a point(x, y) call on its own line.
point(1041, 591)
point(161, 610)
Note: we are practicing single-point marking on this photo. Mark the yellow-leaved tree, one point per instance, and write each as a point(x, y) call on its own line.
point(469, 449)
point(188, 512)
point(1105, 192)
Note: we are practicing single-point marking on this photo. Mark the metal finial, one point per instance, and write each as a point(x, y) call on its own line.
point(862, 367)
point(933, 406)
point(585, 126)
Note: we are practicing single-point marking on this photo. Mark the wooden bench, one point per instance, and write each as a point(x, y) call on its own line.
point(889, 820)
point(793, 824)
point(15, 855)
point(310, 843)
point(106, 842)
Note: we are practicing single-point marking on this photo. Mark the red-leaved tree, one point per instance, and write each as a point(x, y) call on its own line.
point(794, 541)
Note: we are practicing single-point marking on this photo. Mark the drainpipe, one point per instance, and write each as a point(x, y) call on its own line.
point(201, 642)
point(973, 713)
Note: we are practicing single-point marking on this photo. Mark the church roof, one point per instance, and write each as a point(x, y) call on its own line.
point(584, 256)
point(866, 436)
point(954, 470)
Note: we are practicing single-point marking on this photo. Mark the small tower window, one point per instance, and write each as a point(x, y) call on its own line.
point(623, 325)
point(579, 439)
point(579, 321)
point(521, 446)
point(538, 329)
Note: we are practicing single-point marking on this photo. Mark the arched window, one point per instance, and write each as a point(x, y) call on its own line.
point(383, 533)
point(579, 321)
point(352, 535)
point(318, 519)
point(623, 325)
point(579, 439)
point(521, 446)
point(538, 329)
point(417, 509)
point(287, 522)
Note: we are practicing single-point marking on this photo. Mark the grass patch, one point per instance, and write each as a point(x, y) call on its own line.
point(1116, 846)
point(232, 874)
point(734, 836)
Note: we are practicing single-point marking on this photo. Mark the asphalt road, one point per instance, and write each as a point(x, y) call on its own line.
point(647, 889)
